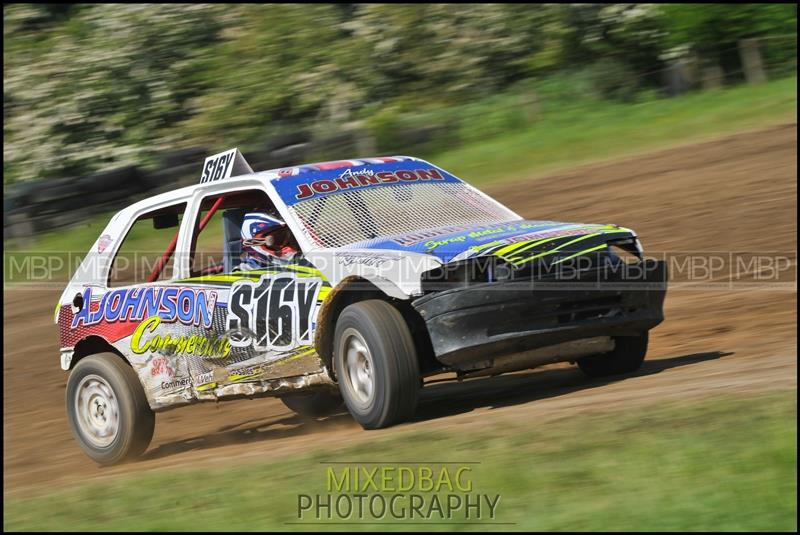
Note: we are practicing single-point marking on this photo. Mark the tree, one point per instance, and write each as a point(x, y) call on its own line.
point(714, 30)
point(106, 87)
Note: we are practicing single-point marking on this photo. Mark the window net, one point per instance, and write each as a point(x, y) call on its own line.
point(363, 214)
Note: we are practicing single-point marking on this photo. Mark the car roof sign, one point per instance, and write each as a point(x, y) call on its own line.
point(224, 165)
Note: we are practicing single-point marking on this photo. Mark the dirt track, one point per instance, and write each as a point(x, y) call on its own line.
point(734, 194)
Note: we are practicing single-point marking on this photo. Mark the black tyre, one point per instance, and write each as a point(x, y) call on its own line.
point(376, 364)
point(313, 404)
point(626, 357)
point(107, 409)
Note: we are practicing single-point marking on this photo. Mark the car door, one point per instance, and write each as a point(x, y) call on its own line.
point(137, 304)
point(264, 319)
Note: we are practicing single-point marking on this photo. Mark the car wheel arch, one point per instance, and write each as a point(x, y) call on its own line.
point(92, 345)
point(352, 290)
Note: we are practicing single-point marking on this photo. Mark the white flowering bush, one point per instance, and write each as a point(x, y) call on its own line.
point(103, 89)
point(92, 86)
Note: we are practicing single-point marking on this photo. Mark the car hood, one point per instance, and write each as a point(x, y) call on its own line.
point(507, 240)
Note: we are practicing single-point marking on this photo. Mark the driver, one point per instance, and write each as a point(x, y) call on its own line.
point(266, 242)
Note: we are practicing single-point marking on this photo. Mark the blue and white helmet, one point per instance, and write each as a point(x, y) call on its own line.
point(259, 238)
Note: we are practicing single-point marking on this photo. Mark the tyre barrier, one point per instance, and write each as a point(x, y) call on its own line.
point(40, 205)
point(286, 140)
point(180, 157)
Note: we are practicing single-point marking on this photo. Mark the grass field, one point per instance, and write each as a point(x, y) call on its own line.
point(720, 464)
point(588, 132)
point(583, 132)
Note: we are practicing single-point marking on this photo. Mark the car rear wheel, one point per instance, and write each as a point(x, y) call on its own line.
point(626, 357)
point(313, 404)
point(108, 410)
point(376, 364)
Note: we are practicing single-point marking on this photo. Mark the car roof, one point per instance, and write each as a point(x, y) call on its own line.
point(186, 192)
point(318, 167)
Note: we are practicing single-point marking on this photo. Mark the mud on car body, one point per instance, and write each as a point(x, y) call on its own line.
point(403, 271)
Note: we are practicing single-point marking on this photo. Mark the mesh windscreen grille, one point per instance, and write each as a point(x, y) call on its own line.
point(352, 216)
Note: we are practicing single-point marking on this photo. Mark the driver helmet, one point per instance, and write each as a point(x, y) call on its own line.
point(265, 237)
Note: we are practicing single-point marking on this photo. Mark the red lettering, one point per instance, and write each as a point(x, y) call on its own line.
point(323, 186)
point(303, 191)
point(425, 174)
point(366, 180)
point(348, 182)
point(406, 175)
point(386, 176)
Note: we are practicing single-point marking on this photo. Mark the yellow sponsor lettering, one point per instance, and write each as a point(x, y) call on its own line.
point(204, 346)
point(149, 324)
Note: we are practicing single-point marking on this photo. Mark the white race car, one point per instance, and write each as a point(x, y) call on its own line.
point(338, 281)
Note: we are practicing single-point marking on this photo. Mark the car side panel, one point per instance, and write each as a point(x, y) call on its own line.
point(211, 337)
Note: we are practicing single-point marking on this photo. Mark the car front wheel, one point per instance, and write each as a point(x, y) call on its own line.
point(108, 410)
point(376, 364)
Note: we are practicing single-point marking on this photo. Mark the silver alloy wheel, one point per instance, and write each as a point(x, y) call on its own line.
point(97, 411)
point(359, 366)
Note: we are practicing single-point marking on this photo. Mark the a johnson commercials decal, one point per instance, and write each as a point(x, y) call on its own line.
point(189, 306)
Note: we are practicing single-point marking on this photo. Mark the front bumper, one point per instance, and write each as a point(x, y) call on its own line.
point(475, 323)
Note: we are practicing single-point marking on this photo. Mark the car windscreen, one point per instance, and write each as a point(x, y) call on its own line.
point(342, 207)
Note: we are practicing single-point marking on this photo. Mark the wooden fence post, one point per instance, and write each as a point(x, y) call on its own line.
point(531, 106)
point(713, 76)
point(751, 61)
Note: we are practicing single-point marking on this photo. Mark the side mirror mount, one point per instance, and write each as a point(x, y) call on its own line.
point(77, 301)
